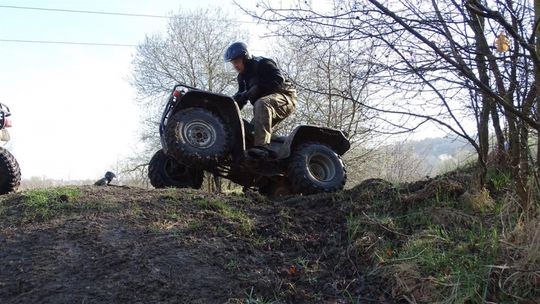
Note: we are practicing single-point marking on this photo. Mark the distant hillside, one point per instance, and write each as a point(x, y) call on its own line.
point(407, 161)
point(442, 152)
point(441, 146)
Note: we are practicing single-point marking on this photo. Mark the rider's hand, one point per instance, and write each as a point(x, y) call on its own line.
point(241, 98)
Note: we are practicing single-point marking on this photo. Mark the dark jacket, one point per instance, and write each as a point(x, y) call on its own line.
point(262, 77)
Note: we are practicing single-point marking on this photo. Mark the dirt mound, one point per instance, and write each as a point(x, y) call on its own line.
point(121, 245)
point(427, 241)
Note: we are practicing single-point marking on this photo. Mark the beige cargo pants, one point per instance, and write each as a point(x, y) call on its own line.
point(270, 110)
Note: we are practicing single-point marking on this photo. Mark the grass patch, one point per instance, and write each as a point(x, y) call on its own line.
point(244, 224)
point(286, 220)
point(498, 178)
point(211, 204)
point(2, 209)
point(457, 261)
point(431, 253)
point(46, 203)
point(168, 228)
point(437, 244)
point(232, 264)
point(252, 298)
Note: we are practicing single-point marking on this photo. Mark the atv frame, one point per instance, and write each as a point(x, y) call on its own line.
point(271, 177)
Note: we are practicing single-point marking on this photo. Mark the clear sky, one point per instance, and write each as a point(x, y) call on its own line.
point(73, 108)
point(74, 111)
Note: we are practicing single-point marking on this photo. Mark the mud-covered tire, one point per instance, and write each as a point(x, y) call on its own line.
point(316, 168)
point(10, 173)
point(198, 135)
point(165, 171)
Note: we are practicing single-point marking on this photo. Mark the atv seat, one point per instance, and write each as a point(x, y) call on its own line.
point(278, 138)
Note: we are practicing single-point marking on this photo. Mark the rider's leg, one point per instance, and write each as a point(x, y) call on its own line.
point(268, 111)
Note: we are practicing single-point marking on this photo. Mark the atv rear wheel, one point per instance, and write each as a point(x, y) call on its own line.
point(316, 168)
point(198, 135)
point(165, 171)
point(10, 173)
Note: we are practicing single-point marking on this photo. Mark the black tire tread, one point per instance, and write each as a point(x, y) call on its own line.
point(10, 172)
point(300, 181)
point(157, 177)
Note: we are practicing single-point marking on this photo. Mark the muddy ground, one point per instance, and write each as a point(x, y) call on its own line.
point(126, 245)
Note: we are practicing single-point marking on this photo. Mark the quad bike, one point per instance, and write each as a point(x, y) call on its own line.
point(10, 173)
point(203, 131)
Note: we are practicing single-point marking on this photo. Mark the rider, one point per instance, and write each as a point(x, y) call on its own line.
point(262, 83)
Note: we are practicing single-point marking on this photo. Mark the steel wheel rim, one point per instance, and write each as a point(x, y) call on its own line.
point(199, 134)
point(321, 168)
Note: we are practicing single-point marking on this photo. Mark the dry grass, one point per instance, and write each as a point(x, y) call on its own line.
point(447, 241)
point(409, 283)
point(519, 267)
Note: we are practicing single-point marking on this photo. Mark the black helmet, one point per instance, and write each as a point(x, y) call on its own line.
point(236, 50)
point(109, 176)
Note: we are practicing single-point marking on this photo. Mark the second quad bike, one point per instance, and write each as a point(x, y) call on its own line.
point(10, 173)
point(203, 131)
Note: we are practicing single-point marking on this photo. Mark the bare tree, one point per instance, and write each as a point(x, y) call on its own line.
point(190, 52)
point(132, 172)
point(435, 61)
point(331, 81)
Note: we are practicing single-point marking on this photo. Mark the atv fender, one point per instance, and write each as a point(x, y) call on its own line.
point(334, 138)
point(223, 106)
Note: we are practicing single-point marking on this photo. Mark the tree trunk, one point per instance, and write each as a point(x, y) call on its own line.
point(537, 79)
point(483, 139)
point(537, 83)
point(477, 24)
point(499, 134)
point(523, 181)
point(520, 181)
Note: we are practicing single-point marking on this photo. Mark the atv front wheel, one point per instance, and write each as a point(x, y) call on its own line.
point(316, 168)
point(198, 135)
point(165, 171)
point(10, 173)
